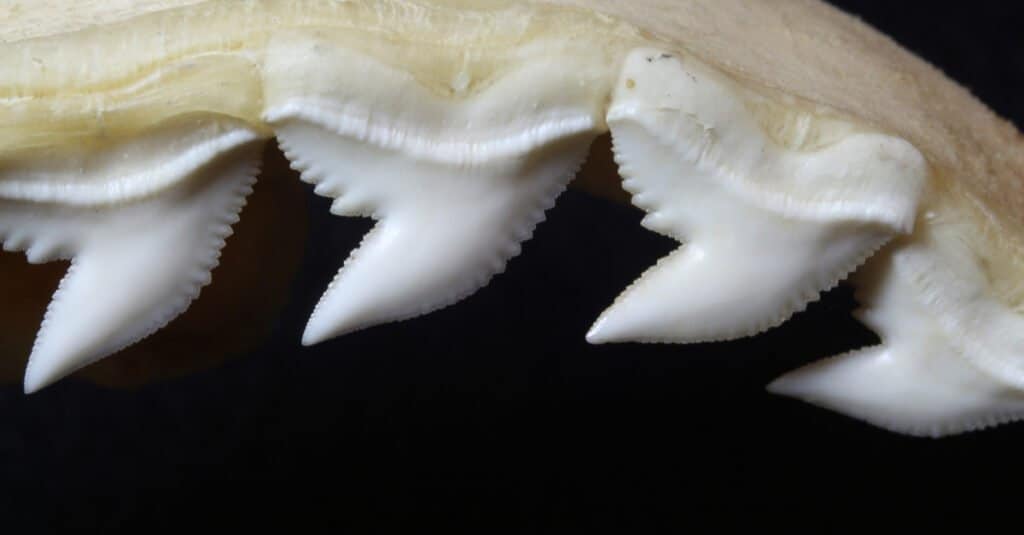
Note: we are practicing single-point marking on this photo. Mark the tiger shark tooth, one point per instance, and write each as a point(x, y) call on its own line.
point(136, 263)
point(781, 143)
point(765, 227)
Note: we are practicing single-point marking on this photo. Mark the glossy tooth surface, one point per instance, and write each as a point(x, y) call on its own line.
point(765, 229)
point(455, 183)
point(918, 381)
point(136, 264)
point(443, 232)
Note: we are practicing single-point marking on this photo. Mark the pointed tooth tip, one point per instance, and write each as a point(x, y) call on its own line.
point(33, 385)
point(605, 332)
point(626, 321)
point(432, 246)
point(309, 340)
point(595, 336)
point(833, 382)
point(804, 380)
point(54, 356)
point(314, 334)
point(57, 355)
point(37, 379)
point(873, 386)
point(788, 385)
point(777, 387)
point(320, 329)
point(619, 325)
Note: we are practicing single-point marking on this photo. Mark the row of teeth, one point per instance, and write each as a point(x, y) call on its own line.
point(763, 229)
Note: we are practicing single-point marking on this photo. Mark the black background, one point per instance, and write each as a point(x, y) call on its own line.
point(496, 415)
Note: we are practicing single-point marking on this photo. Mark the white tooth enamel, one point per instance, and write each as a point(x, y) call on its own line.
point(136, 265)
point(443, 232)
point(456, 182)
point(765, 228)
point(918, 381)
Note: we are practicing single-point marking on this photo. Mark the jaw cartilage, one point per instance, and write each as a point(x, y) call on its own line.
point(757, 244)
point(136, 264)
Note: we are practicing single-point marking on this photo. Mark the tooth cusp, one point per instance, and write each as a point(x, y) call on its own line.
point(756, 247)
point(454, 182)
point(443, 230)
point(861, 384)
point(462, 262)
point(921, 380)
point(136, 264)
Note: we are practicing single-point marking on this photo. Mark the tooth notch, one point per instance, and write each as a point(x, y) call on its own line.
point(765, 226)
point(455, 183)
point(443, 232)
point(135, 265)
point(920, 381)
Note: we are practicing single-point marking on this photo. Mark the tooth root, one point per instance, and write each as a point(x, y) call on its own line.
point(136, 266)
point(917, 382)
point(444, 229)
point(124, 171)
point(765, 229)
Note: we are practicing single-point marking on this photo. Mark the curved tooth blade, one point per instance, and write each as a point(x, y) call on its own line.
point(916, 382)
point(135, 266)
point(742, 269)
point(444, 229)
point(773, 204)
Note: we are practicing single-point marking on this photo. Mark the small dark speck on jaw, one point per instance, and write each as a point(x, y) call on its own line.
point(650, 59)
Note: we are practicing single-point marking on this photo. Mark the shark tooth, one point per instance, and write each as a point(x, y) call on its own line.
point(765, 228)
point(137, 263)
point(925, 378)
point(455, 184)
point(780, 142)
